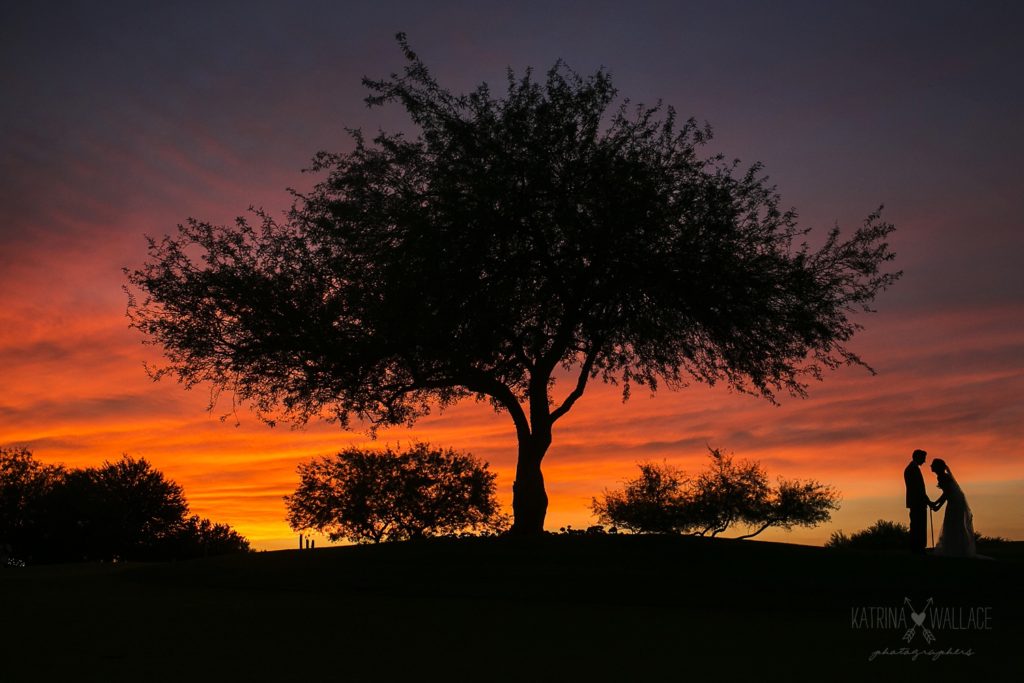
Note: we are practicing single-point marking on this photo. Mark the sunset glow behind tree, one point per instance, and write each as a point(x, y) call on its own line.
point(118, 122)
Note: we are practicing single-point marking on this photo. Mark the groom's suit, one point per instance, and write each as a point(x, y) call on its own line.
point(917, 502)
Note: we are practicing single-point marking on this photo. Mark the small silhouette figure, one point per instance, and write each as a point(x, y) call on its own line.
point(917, 502)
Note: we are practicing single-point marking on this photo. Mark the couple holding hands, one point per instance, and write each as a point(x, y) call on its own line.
point(956, 537)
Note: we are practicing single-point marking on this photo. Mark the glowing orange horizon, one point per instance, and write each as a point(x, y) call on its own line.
point(77, 394)
point(112, 133)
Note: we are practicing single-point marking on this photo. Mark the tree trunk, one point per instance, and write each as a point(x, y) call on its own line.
point(529, 499)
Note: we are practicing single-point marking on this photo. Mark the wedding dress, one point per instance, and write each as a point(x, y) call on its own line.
point(956, 538)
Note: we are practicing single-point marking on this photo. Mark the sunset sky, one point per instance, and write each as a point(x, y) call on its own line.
point(118, 121)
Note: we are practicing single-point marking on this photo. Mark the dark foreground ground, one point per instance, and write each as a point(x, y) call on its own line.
point(558, 608)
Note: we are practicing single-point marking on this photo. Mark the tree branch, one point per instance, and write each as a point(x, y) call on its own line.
point(581, 384)
point(546, 362)
point(518, 350)
point(763, 527)
point(482, 383)
point(478, 382)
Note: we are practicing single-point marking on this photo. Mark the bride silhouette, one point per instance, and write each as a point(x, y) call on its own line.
point(956, 539)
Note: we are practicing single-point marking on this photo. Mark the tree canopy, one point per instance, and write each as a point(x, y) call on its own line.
point(125, 509)
point(512, 236)
point(122, 507)
point(388, 495)
point(25, 483)
point(650, 503)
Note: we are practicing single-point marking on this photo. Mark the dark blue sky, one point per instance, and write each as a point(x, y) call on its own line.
point(849, 105)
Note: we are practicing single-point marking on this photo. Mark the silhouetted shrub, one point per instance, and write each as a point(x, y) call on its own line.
point(199, 537)
point(651, 503)
point(727, 492)
point(882, 535)
point(886, 535)
point(991, 540)
point(372, 496)
point(593, 530)
point(664, 500)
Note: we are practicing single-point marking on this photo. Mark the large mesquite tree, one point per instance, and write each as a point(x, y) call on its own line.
point(515, 235)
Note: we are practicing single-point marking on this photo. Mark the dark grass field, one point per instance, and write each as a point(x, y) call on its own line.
point(629, 608)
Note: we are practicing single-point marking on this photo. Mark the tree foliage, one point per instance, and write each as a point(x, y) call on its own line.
point(124, 509)
point(121, 509)
point(372, 496)
point(805, 503)
point(26, 484)
point(650, 503)
point(196, 536)
point(662, 499)
point(511, 236)
point(727, 492)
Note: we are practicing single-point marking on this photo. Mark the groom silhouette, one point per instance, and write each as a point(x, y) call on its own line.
point(917, 502)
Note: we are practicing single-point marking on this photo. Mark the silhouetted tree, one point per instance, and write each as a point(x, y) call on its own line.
point(795, 502)
point(25, 486)
point(129, 508)
point(651, 503)
point(387, 495)
point(125, 509)
point(514, 236)
point(662, 499)
point(726, 493)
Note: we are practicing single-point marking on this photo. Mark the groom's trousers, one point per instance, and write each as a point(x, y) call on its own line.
point(918, 528)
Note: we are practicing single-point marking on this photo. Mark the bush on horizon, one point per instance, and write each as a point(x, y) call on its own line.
point(882, 535)
point(887, 535)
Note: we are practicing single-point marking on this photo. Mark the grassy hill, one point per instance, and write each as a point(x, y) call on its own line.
point(555, 608)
